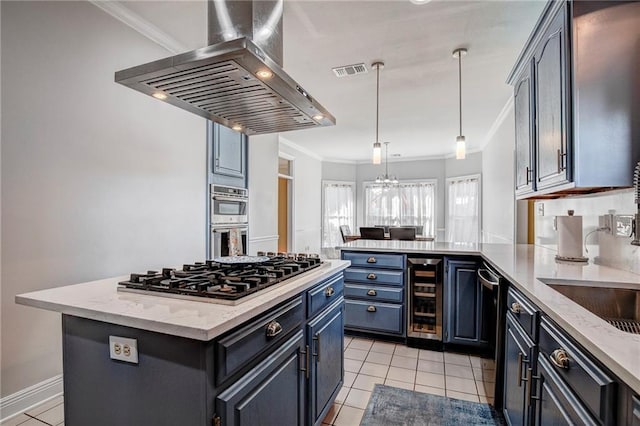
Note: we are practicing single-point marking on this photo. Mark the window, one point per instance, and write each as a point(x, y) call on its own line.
point(337, 209)
point(463, 209)
point(408, 203)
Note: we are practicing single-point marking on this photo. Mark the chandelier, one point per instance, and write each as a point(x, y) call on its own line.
point(386, 179)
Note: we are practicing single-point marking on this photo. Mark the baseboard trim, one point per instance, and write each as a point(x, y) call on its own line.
point(32, 396)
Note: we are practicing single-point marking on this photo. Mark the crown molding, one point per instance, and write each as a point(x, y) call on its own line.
point(141, 25)
point(504, 112)
point(293, 145)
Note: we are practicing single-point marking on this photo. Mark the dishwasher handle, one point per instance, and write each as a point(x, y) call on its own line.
point(487, 278)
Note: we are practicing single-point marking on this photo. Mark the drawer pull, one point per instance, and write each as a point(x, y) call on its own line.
point(372, 292)
point(516, 308)
point(371, 308)
point(316, 338)
point(329, 292)
point(372, 260)
point(273, 329)
point(559, 358)
point(371, 277)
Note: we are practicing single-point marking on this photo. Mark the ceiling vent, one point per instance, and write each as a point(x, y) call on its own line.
point(350, 70)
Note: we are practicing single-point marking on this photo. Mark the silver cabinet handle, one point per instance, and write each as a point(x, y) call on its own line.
point(372, 277)
point(329, 291)
point(371, 308)
point(519, 369)
point(223, 198)
point(372, 260)
point(273, 329)
point(317, 352)
point(559, 358)
point(372, 292)
point(516, 308)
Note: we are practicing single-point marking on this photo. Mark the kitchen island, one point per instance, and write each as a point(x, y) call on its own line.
point(133, 359)
point(532, 271)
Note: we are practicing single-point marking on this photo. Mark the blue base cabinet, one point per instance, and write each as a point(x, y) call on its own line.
point(325, 339)
point(257, 398)
point(465, 311)
point(374, 293)
point(519, 357)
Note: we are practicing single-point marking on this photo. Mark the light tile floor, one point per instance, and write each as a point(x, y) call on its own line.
point(368, 362)
point(49, 413)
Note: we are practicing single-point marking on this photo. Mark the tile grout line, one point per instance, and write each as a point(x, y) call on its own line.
point(35, 418)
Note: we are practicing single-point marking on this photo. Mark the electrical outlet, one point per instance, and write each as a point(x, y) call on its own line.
point(540, 209)
point(623, 225)
point(123, 349)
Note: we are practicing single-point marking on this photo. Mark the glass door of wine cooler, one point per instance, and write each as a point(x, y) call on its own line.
point(425, 299)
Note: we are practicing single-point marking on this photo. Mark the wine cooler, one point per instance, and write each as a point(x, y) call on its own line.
point(425, 298)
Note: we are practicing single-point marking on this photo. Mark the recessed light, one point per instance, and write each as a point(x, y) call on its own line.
point(264, 74)
point(236, 127)
point(318, 117)
point(159, 95)
point(419, 1)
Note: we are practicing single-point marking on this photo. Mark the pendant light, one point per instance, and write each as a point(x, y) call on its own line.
point(377, 147)
point(460, 140)
point(386, 179)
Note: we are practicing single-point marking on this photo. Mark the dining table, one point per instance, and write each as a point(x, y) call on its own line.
point(349, 238)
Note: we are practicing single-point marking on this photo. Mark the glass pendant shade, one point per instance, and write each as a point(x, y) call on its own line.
point(377, 153)
point(460, 148)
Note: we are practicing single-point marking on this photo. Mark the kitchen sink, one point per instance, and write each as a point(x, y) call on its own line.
point(618, 306)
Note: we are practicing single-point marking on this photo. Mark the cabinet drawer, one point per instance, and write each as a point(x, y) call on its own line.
point(374, 276)
point(594, 387)
point(375, 260)
point(523, 311)
point(381, 317)
point(239, 348)
point(324, 293)
point(374, 293)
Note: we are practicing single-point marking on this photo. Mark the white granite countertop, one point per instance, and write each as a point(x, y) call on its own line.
point(524, 266)
point(100, 300)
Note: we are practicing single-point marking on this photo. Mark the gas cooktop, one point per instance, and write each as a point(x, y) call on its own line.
point(223, 280)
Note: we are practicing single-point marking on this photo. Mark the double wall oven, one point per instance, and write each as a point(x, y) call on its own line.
point(229, 221)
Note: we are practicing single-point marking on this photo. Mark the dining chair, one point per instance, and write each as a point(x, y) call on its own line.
point(371, 233)
point(402, 233)
point(385, 227)
point(345, 231)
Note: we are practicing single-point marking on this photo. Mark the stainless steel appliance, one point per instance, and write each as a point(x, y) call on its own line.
point(425, 299)
point(223, 280)
point(228, 205)
point(494, 290)
point(228, 240)
point(237, 80)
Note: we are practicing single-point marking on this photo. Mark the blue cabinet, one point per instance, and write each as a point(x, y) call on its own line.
point(519, 358)
point(374, 293)
point(325, 340)
point(228, 156)
point(465, 311)
point(272, 393)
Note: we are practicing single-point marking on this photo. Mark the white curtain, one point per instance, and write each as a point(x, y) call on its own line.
point(337, 209)
point(463, 210)
point(408, 203)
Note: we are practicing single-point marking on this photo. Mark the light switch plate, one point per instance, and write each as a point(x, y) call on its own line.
point(540, 209)
point(123, 349)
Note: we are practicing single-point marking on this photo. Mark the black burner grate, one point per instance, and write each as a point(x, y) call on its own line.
point(223, 281)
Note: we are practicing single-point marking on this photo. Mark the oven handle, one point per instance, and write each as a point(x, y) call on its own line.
point(222, 198)
point(487, 278)
point(224, 230)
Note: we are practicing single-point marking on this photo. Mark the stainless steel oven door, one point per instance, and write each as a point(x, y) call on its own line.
point(228, 209)
point(223, 244)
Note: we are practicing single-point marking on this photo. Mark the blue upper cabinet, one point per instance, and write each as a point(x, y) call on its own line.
point(228, 156)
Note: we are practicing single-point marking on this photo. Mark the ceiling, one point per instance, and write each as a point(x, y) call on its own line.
point(419, 84)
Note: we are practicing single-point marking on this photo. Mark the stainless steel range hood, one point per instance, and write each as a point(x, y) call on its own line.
point(237, 80)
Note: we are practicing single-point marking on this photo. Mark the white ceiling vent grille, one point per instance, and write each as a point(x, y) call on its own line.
point(350, 70)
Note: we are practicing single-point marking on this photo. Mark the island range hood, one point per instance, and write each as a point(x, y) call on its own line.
point(237, 80)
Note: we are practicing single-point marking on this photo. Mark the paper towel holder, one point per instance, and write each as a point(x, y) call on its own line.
point(566, 259)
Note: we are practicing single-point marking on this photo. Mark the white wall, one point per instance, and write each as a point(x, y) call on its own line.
point(263, 193)
point(339, 171)
point(498, 184)
point(97, 180)
point(307, 189)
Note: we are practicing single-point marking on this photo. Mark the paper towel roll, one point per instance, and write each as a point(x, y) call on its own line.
point(569, 237)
